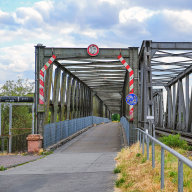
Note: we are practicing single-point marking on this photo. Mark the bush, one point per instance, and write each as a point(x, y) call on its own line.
point(175, 141)
point(115, 117)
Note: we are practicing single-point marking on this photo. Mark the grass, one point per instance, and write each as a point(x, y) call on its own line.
point(2, 168)
point(135, 172)
point(175, 141)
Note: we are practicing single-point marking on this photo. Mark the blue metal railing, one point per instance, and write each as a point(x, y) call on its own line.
point(130, 132)
point(55, 132)
point(144, 138)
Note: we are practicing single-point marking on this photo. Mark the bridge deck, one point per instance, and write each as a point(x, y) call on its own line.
point(85, 164)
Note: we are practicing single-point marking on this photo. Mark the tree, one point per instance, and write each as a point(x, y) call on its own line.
point(22, 117)
point(115, 117)
point(21, 87)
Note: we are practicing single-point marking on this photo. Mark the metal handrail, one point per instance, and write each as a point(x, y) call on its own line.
point(181, 158)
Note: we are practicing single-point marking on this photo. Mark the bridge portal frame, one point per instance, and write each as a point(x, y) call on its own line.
point(73, 94)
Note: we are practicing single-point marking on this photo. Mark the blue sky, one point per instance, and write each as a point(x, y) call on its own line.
point(78, 23)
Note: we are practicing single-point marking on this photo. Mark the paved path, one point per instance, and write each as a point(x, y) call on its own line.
point(85, 164)
point(13, 160)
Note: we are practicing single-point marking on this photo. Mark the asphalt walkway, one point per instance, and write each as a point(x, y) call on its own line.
point(84, 164)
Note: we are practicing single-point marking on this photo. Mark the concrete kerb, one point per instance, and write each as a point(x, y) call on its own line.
point(63, 141)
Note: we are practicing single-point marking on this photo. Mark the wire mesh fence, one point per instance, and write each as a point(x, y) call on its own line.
point(130, 132)
point(55, 132)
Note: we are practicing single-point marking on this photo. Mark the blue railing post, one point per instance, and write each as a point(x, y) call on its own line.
point(143, 146)
point(180, 176)
point(162, 168)
point(147, 148)
point(153, 154)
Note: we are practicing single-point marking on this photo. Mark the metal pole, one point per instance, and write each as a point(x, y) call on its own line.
point(180, 176)
point(153, 154)
point(140, 138)
point(36, 82)
point(128, 133)
point(143, 147)
point(137, 136)
point(10, 126)
point(0, 120)
point(33, 131)
point(147, 148)
point(162, 168)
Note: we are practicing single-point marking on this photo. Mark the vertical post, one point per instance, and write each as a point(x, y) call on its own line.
point(147, 148)
point(56, 90)
point(174, 106)
point(180, 176)
point(153, 154)
point(162, 168)
point(63, 96)
point(143, 146)
point(68, 96)
point(0, 120)
point(137, 135)
point(140, 138)
point(39, 62)
point(187, 101)
point(10, 126)
point(33, 131)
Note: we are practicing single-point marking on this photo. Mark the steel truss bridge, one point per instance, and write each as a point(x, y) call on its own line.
point(78, 85)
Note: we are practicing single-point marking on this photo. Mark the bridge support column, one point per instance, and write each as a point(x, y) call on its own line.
point(145, 101)
point(62, 97)
point(68, 99)
point(56, 95)
point(73, 99)
point(133, 60)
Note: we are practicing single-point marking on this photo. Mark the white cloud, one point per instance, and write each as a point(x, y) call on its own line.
point(138, 14)
point(113, 2)
point(181, 20)
point(18, 58)
point(24, 15)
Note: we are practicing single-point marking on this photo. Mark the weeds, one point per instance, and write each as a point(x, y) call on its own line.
point(45, 153)
point(117, 170)
point(119, 182)
point(175, 141)
point(2, 168)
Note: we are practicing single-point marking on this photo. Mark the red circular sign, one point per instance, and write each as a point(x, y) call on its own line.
point(93, 50)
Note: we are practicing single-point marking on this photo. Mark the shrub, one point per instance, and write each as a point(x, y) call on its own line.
point(174, 141)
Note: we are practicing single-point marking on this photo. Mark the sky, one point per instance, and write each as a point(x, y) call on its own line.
point(79, 23)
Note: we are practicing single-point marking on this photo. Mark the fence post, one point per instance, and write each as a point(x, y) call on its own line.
point(140, 138)
point(143, 147)
point(33, 119)
point(147, 148)
point(137, 135)
point(10, 126)
point(128, 133)
point(0, 120)
point(153, 154)
point(180, 176)
point(162, 168)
